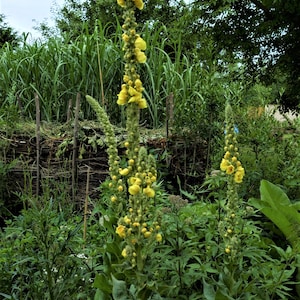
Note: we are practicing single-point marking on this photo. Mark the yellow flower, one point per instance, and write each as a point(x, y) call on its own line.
point(142, 103)
point(133, 92)
point(140, 43)
point(140, 56)
point(234, 159)
point(149, 192)
point(135, 99)
point(127, 220)
point(138, 84)
point(224, 164)
point(227, 155)
point(147, 234)
point(122, 96)
point(139, 4)
point(134, 189)
point(135, 95)
point(135, 180)
point(125, 37)
point(126, 78)
point(124, 172)
point(153, 178)
point(230, 169)
point(158, 237)
point(238, 177)
point(131, 162)
point(121, 231)
point(124, 252)
point(240, 169)
point(113, 199)
point(227, 250)
point(121, 3)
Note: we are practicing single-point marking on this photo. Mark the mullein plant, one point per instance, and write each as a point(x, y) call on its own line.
point(132, 183)
point(230, 226)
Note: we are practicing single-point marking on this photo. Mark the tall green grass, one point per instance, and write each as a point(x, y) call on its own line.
point(59, 68)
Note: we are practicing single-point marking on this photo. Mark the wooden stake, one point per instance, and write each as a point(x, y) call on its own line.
point(69, 110)
point(87, 188)
point(38, 126)
point(169, 112)
point(75, 151)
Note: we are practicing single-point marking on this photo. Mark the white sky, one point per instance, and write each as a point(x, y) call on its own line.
point(20, 14)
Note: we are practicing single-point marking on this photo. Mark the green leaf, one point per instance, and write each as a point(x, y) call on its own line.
point(100, 295)
point(276, 205)
point(119, 291)
point(208, 291)
point(101, 282)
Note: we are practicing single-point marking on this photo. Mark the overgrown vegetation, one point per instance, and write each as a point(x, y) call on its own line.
point(233, 235)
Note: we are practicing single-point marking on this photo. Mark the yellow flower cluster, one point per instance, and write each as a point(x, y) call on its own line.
point(134, 182)
point(230, 163)
point(143, 174)
point(138, 3)
point(133, 231)
point(134, 47)
point(140, 46)
point(138, 226)
point(232, 166)
point(230, 226)
point(132, 93)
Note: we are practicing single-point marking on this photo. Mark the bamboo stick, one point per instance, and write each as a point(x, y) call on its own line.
point(38, 126)
point(87, 188)
point(75, 151)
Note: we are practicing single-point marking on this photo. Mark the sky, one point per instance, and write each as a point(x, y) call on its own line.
point(20, 14)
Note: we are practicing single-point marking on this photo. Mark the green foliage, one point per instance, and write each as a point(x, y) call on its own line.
point(70, 17)
point(275, 204)
point(7, 34)
point(40, 257)
point(5, 207)
point(250, 30)
point(269, 150)
point(57, 70)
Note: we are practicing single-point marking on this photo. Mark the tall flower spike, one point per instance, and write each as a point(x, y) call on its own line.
point(134, 47)
point(232, 167)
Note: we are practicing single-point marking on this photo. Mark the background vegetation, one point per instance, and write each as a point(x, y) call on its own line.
point(200, 55)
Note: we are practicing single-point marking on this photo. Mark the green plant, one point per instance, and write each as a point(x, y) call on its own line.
point(276, 205)
point(42, 256)
point(5, 206)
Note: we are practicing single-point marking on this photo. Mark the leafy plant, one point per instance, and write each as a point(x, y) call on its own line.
point(276, 205)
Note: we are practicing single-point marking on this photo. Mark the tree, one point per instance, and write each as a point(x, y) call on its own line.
point(264, 33)
point(7, 34)
point(76, 16)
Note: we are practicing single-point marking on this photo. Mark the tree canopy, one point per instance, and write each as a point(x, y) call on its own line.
point(7, 34)
point(263, 34)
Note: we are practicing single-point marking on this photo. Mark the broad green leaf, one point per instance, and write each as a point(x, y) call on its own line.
point(208, 291)
point(101, 282)
point(100, 295)
point(273, 194)
point(119, 291)
point(276, 205)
